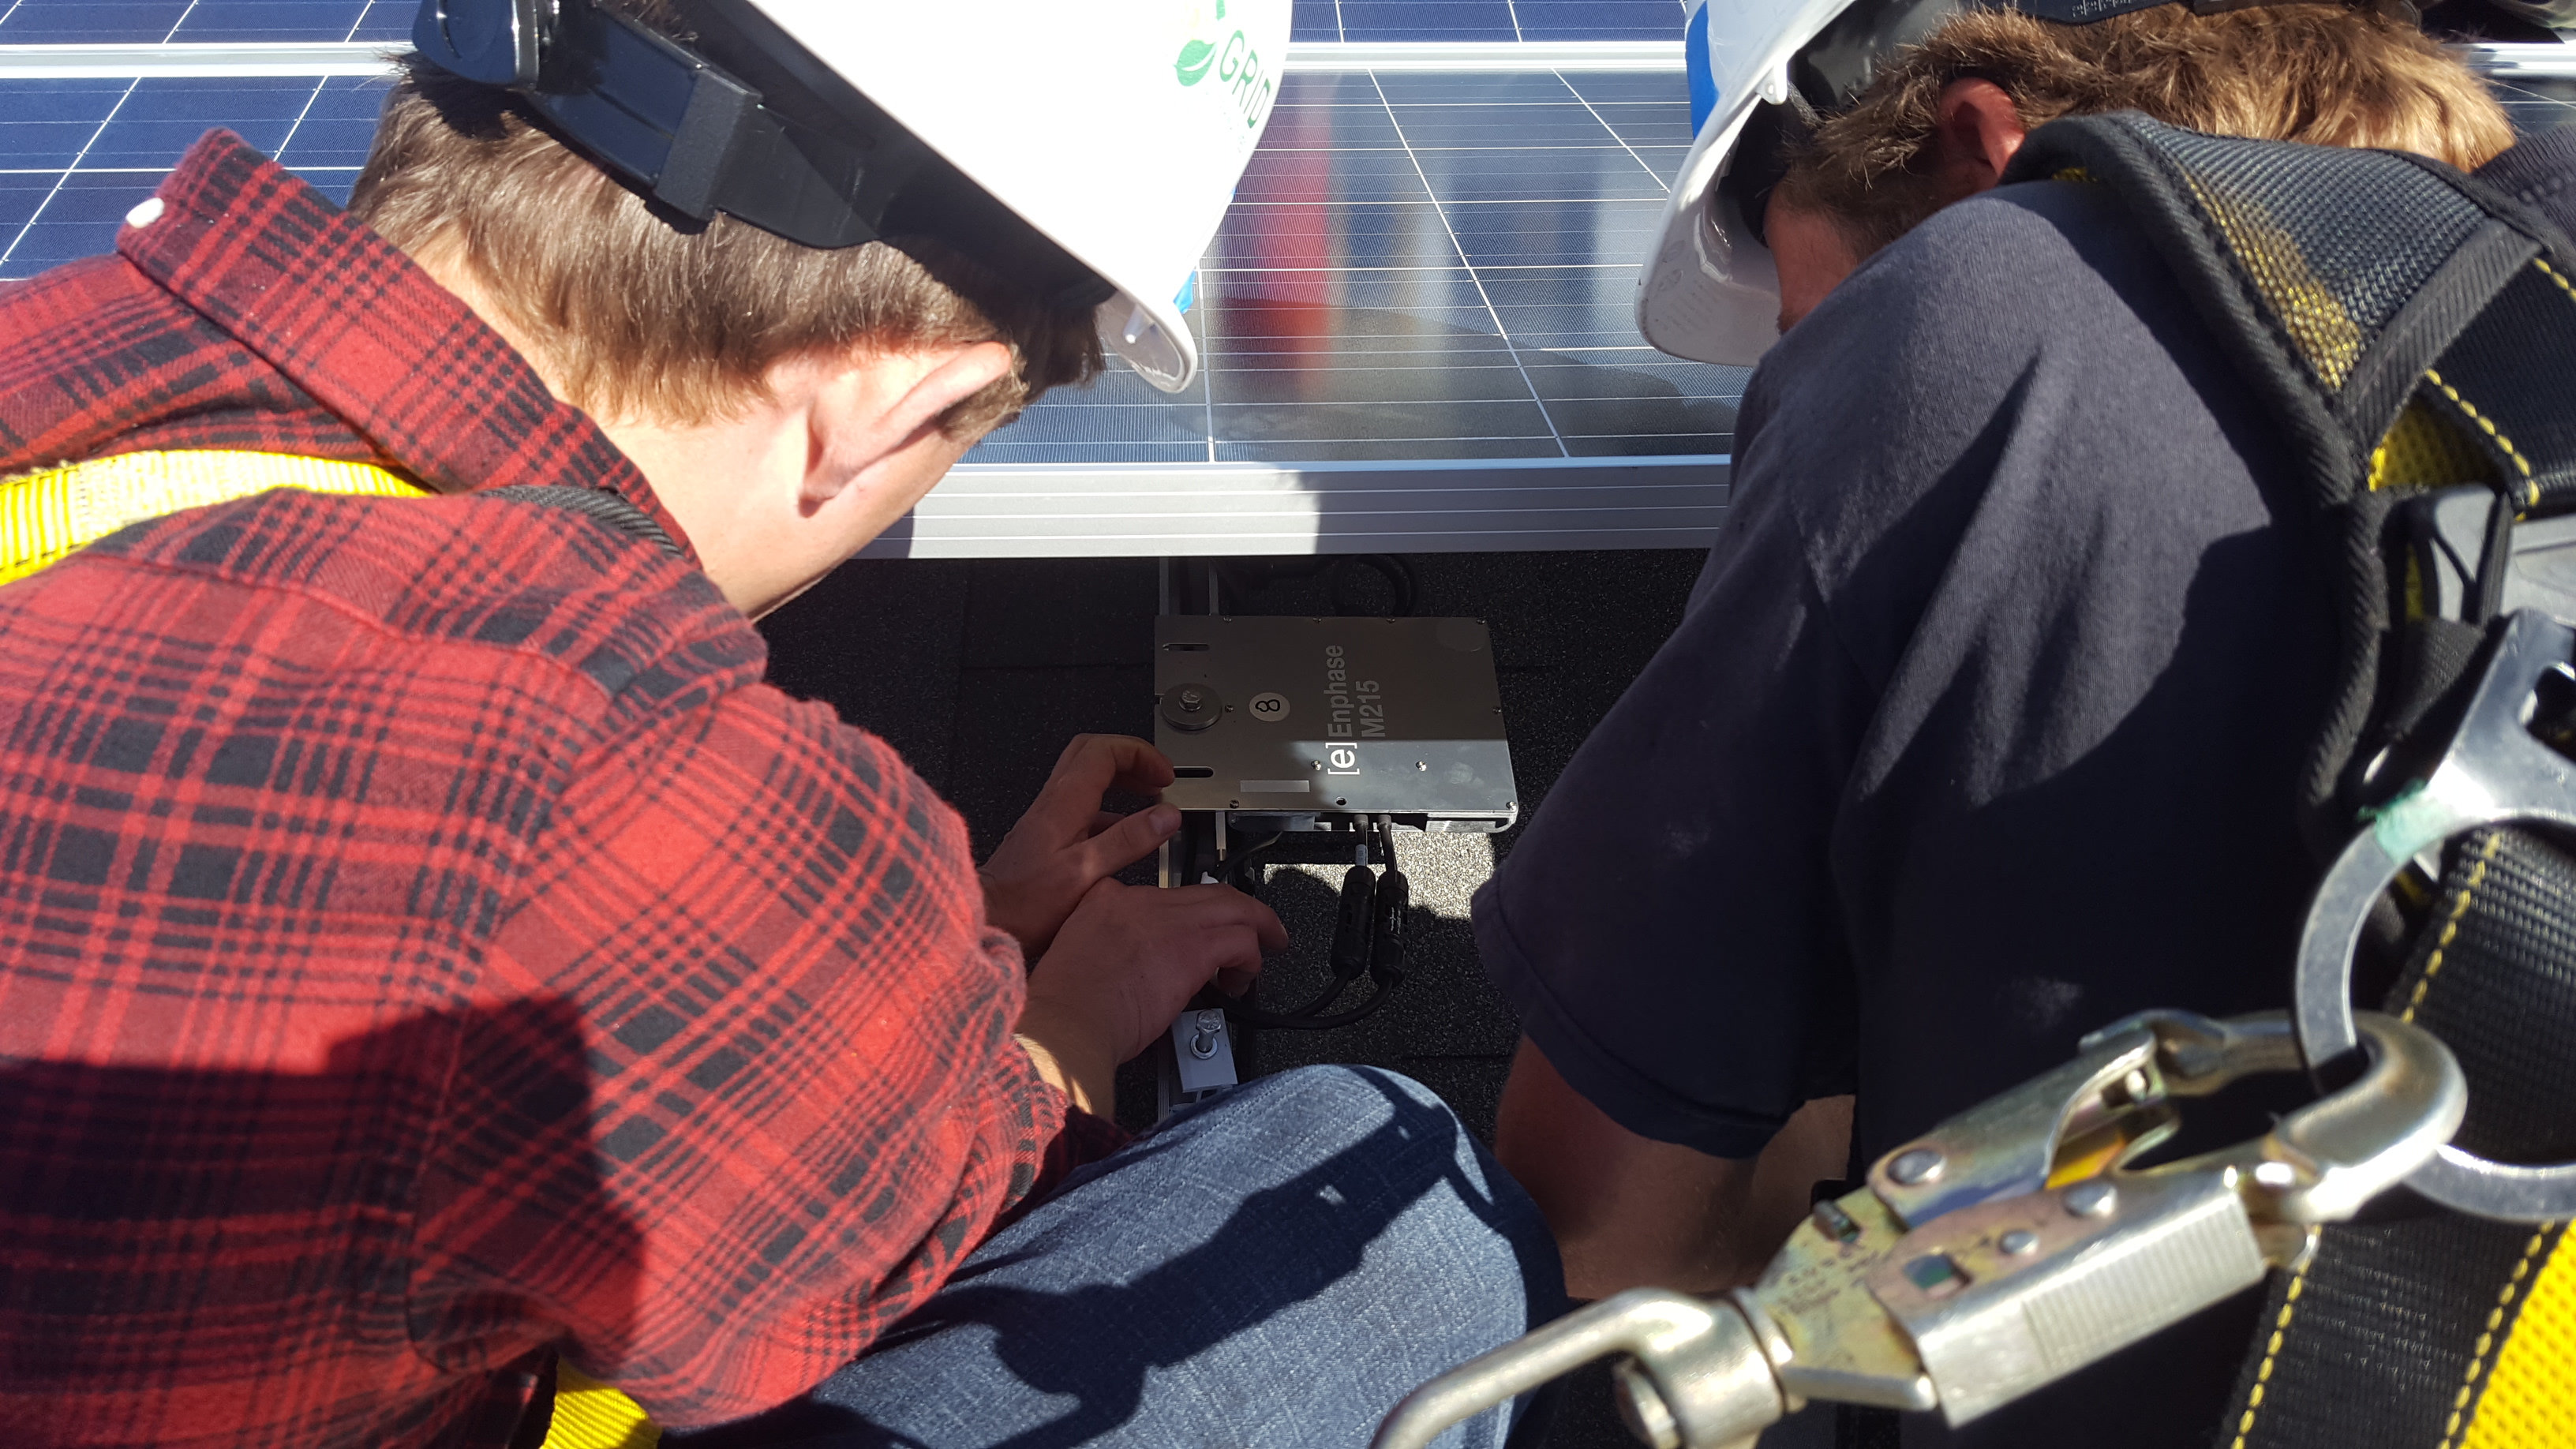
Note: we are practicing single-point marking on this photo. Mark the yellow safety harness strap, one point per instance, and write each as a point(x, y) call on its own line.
point(591, 1415)
point(47, 515)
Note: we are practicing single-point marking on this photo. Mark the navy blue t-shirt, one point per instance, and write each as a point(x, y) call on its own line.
point(1982, 728)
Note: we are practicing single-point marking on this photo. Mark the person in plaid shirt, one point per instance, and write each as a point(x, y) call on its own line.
point(427, 947)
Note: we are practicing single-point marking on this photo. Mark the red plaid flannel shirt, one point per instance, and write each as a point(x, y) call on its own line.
point(424, 940)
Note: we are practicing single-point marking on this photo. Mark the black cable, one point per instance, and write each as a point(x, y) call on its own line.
point(1368, 939)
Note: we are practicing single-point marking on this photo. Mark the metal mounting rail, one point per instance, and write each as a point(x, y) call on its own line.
point(1109, 510)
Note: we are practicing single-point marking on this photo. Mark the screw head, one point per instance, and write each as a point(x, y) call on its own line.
point(1190, 699)
point(1916, 1165)
point(1422, 764)
point(2090, 1199)
point(2018, 1241)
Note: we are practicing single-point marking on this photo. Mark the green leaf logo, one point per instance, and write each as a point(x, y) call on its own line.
point(1196, 57)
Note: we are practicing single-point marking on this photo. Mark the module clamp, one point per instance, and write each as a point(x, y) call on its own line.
point(1307, 719)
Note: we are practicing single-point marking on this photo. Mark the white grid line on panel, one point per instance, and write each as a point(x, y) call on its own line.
point(182, 20)
point(1660, 184)
point(1514, 11)
point(1499, 329)
point(298, 125)
point(38, 214)
point(360, 23)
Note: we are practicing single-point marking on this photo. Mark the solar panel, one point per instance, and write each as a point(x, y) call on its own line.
point(150, 22)
point(1423, 266)
point(157, 22)
point(76, 155)
point(1415, 321)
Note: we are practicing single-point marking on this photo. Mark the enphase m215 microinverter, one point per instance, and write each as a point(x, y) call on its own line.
point(1308, 719)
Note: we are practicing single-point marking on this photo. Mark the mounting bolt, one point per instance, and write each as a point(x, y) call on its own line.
point(1210, 1026)
point(1422, 764)
point(2018, 1241)
point(1916, 1165)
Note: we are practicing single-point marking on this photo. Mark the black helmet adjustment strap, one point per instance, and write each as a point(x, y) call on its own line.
point(738, 118)
point(692, 136)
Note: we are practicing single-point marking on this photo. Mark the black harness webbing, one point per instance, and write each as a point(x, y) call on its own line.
point(2412, 330)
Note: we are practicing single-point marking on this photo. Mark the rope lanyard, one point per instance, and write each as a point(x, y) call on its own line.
point(46, 516)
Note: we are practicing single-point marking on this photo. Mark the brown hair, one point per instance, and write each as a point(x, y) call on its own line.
point(2318, 73)
point(637, 313)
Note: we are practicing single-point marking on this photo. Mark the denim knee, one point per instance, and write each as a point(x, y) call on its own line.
point(1320, 1110)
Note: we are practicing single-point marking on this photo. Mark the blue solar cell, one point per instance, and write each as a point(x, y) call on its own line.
point(21, 194)
point(76, 218)
point(1599, 19)
point(1427, 20)
point(336, 131)
point(90, 22)
point(45, 125)
point(271, 20)
point(386, 20)
point(164, 117)
point(1314, 20)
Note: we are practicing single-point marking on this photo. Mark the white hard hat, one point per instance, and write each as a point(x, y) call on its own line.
point(1087, 151)
point(1761, 73)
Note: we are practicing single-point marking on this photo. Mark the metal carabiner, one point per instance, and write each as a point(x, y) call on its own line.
point(2005, 1248)
point(2493, 771)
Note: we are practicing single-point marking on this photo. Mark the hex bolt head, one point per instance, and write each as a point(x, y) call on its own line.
point(1915, 1166)
point(2090, 1199)
point(2018, 1241)
point(1189, 699)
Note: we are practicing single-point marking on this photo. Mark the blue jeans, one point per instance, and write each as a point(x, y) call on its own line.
point(1275, 1268)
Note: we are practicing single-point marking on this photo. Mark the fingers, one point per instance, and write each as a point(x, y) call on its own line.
point(1232, 952)
point(1130, 840)
point(1219, 907)
point(1092, 764)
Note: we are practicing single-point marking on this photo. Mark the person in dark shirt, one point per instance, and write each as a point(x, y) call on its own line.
point(1982, 726)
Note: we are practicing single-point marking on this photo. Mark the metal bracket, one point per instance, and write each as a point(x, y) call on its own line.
point(2494, 771)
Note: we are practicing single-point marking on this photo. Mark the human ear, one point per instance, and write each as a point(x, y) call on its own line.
point(1975, 131)
point(877, 410)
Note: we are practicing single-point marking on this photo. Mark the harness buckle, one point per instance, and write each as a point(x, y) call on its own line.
point(2007, 1247)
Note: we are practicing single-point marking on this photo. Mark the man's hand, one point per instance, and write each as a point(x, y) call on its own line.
point(1125, 963)
point(1066, 843)
point(1633, 1213)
